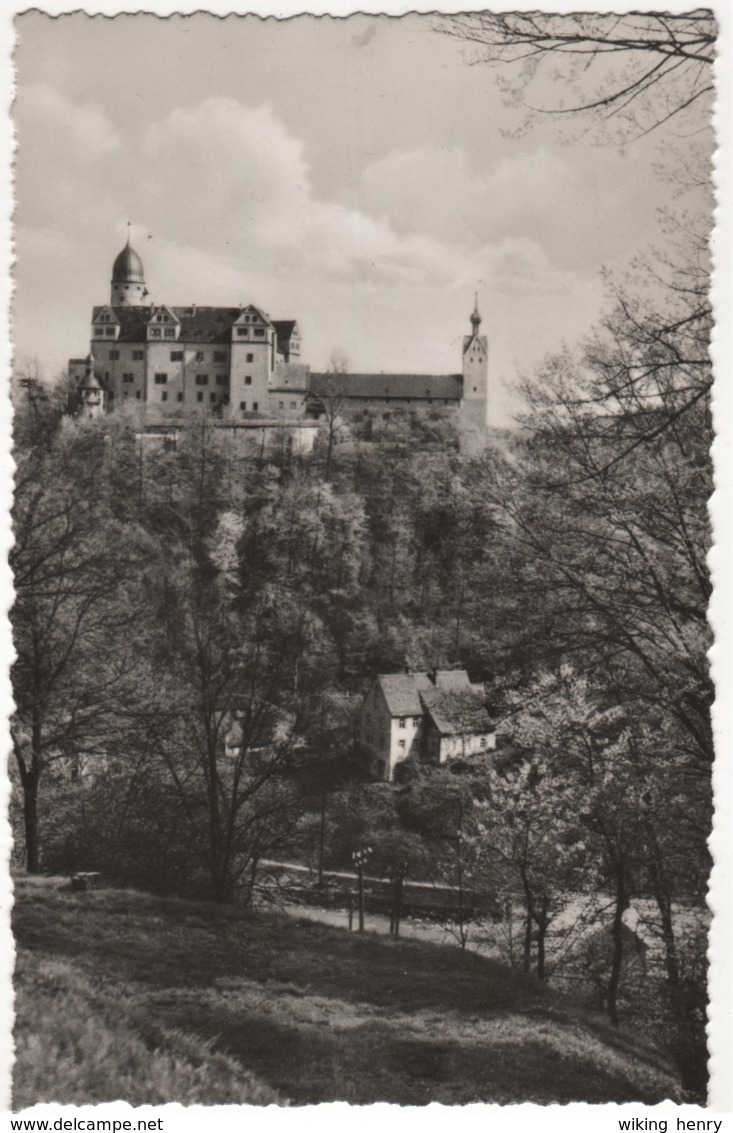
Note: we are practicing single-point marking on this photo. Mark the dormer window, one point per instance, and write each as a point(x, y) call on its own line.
point(155, 332)
point(259, 332)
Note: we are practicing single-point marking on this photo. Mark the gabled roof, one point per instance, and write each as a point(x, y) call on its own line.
point(198, 324)
point(250, 309)
point(97, 312)
point(437, 386)
point(284, 327)
point(161, 309)
point(402, 692)
point(457, 713)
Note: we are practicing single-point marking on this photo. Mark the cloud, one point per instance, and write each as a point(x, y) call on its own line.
point(83, 132)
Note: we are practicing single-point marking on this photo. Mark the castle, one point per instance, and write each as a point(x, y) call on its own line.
point(243, 366)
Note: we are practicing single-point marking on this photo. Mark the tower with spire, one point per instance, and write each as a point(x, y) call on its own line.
point(128, 279)
point(475, 398)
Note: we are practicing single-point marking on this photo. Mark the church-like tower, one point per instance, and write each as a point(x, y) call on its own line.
point(128, 280)
point(474, 403)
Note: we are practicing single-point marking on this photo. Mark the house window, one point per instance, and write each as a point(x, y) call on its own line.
point(169, 332)
point(255, 406)
point(401, 745)
point(161, 379)
point(220, 356)
point(176, 355)
point(250, 357)
point(155, 332)
point(259, 332)
point(199, 397)
point(241, 331)
point(109, 331)
point(114, 355)
point(483, 741)
point(199, 355)
point(164, 395)
point(248, 379)
point(403, 721)
point(416, 721)
point(138, 355)
point(202, 379)
point(128, 377)
point(243, 406)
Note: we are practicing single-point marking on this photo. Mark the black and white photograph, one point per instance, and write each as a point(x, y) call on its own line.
point(364, 404)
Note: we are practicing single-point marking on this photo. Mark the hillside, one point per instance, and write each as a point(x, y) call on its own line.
point(125, 995)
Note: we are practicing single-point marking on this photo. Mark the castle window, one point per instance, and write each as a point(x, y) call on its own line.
point(483, 741)
point(250, 357)
point(179, 397)
point(161, 379)
point(109, 331)
point(475, 389)
point(164, 395)
point(202, 379)
point(137, 395)
point(176, 355)
point(128, 378)
point(402, 745)
point(243, 406)
point(255, 406)
point(155, 332)
point(281, 404)
point(242, 331)
point(138, 355)
point(199, 396)
point(212, 397)
point(199, 355)
point(169, 332)
point(220, 356)
point(248, 379)
point(114, 355)
point(221, 379)
point(259, 332)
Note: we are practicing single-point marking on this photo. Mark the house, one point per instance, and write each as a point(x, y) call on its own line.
point(436, 717)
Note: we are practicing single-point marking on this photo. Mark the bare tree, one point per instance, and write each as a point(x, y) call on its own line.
point(638, 70)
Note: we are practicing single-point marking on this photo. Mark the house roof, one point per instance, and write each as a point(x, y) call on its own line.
point(402, 692)
point(457, 713)
point(437, 386)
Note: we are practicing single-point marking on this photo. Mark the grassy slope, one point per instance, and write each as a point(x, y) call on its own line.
point(122, 994)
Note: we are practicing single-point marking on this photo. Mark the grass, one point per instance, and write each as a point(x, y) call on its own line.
point(126, 995)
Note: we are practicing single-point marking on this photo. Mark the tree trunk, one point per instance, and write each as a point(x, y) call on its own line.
point(617, 952)
point(527, 955)
point(30, 822)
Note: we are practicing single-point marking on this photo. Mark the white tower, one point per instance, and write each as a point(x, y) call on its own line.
point(128, 280)
point(474, 403)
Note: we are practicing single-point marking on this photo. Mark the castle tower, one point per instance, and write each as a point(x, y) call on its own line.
point(474, 403)
point(91, 394)
point(128, 279)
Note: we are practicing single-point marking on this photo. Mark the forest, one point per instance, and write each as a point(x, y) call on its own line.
point(166, 594)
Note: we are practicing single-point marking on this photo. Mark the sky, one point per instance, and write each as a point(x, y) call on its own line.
point(359, 175)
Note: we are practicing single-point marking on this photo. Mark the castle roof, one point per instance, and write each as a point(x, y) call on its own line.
point(198, 324)
point(437, 386)
point(128, 267)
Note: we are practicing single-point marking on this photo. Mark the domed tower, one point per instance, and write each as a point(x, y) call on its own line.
point(475, 374)
point(128, 280)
